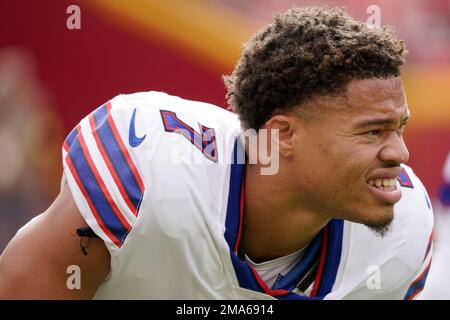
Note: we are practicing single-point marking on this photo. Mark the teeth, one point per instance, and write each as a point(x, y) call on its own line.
point(383, 182)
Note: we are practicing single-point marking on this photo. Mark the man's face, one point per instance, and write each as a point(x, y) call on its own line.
point(348, 155)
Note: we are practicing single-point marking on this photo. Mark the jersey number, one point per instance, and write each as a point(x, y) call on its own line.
point(205, 141)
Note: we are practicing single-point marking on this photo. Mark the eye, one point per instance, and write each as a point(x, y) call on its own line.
point(375, 132)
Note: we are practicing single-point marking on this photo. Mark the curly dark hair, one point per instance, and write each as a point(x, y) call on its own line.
point(307, 53)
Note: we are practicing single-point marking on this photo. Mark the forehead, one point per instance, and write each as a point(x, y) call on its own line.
point(376, 95)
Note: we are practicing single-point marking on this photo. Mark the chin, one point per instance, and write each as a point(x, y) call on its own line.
point(381, 224)
point(378, 219)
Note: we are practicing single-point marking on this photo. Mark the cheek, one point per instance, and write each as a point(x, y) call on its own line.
point(352, 174)
point(316, 171)
point(342, 173)
point(332, 166)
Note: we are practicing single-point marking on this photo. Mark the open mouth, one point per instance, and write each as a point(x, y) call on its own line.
point(385, 189)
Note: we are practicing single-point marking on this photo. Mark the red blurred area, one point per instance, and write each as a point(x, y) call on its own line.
point(83, 68)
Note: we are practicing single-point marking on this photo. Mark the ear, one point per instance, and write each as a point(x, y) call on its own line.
point(286, 125)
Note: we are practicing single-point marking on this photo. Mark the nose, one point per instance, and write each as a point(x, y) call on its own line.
point(394, 150)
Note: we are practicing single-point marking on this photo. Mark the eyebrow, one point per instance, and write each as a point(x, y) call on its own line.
point(383, 121)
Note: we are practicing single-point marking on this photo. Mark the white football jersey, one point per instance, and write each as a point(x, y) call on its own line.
point(159, 180)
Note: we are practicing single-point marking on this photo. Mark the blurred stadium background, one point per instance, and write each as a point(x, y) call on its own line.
point(50, 77)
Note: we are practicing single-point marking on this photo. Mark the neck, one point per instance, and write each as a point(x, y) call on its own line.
point(275, 223)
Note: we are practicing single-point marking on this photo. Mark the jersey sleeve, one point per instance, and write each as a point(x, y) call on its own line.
point(422, 205)
point(103, 174)
point(418, 284)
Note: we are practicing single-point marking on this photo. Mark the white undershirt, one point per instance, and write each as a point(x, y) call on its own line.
point(270, 270)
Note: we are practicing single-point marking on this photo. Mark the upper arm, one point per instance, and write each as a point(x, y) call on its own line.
point(34, 265)
point(104, 172)
point(104, 190)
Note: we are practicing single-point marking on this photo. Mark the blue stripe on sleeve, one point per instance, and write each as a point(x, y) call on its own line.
point(117, 157)
point(95, 193)
point(418, 286)
point(71, 137)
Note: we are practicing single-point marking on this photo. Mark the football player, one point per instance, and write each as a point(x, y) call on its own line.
point(165, 198)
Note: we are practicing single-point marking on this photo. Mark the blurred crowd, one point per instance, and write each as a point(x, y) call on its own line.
point(30, 135)
point(423, 24)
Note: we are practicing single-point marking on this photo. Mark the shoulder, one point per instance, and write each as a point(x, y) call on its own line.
point(154, 100)
point(161, 114)
point(147, 150)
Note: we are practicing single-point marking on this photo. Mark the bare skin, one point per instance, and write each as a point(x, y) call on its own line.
point(326, 163)
point(34, 264)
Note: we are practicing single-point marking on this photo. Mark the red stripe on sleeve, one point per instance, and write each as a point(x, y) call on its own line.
point(66, 146)
point(123, 148)
point(90, 204)
point(111, 169)
point(101, 183)
point(418, 280)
